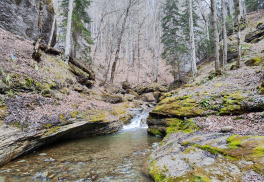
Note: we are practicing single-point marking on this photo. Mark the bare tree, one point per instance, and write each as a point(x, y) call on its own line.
point(193, 55)
point(224, 33)
point(239, 17)
point(68, 32)
point(216, 37)
point(119, 41)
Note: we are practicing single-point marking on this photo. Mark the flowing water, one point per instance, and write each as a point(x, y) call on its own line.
point(111, 158)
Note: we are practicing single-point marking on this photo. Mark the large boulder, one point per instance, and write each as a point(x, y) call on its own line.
point(257, 35)
point(207, 157)
point(21, 18)
point(148, 97)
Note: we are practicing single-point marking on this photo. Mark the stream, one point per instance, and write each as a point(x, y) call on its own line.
point(110, 158)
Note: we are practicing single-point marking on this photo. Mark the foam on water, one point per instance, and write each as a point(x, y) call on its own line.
point(139, 121)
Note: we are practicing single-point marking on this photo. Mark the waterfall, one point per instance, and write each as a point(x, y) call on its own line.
point(139, 121)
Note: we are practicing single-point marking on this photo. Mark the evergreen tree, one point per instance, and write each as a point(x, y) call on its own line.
point(176, 33)
point(174, 46)
point(253, 5)
point(80, 18)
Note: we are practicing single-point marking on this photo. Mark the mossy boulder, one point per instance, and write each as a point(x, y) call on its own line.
point(126, 85)
point(130, 97)
point(140, 89)
point(171, 125)
point(260, 26)
point(132, 92)
point(255, 36)
point(148, 97)
point(261, 89)
point(178, 106)
point(257, 61)
point(207, 157)
point(112, 98)
point(232, 103)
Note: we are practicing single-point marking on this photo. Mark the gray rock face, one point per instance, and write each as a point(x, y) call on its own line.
point(21, 17)
point(14, 142)
point(207, 157)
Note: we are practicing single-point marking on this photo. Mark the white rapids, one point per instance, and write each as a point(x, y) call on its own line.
point(139, 121)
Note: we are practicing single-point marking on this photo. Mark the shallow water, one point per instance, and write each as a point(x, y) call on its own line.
point(111, 158)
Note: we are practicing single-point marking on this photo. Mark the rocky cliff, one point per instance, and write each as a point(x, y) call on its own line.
point(21, 17)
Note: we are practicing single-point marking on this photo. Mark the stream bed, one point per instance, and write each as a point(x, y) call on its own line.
point(110, 158)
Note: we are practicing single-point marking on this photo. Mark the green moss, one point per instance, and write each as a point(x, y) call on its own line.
point(157, 173)
point(178, 125)
point(232, 103)
point(258, 61)
point(259, 151)
point(234, 141)
point(179, 106)
point(52, 130)
point(188, 150)
point(155, 132)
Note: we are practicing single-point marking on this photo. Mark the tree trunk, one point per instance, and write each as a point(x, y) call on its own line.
point(68, 33)
point(53, 23)
point(239, 16)
point(36, 51)
point(119, 41)
point(224, 33)
point(216, 38)
point(193, 55)
point(231, 11)
point(82, 67)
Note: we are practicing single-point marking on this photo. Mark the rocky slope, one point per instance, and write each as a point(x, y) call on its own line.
point(214, 126)
point(48, 101)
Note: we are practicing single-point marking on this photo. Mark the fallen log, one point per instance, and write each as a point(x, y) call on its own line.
point(83, 68)
point(49, 50)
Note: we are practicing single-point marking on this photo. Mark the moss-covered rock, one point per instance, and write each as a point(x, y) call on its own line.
point(148, 97)
point(232, 103)
point(165, 126)
point(258, 61)
point(126, 85)
point(207, 157)
point(251, 37)
point(260, 26)
point(178, 106)
point(114, 98)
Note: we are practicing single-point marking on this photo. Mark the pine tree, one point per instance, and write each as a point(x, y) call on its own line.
point(173, 46)
point(176, 33)
point(80, 18)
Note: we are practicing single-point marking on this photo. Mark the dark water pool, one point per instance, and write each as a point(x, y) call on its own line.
point(111, 158)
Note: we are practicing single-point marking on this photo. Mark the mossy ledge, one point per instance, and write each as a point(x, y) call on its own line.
point(207, 157)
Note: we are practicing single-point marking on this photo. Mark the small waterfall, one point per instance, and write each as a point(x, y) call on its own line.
point(139, 121)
